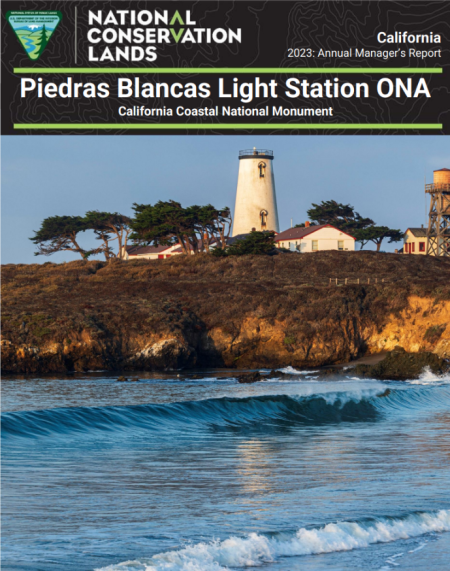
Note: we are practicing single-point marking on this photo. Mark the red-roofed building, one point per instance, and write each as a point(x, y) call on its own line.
point(151, 252)
point(315, 238)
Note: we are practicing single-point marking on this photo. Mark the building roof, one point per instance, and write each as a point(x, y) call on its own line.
point(232, 239)
point(140, 250)
point(174, 249)
point(299, 233)
point(418, 232)
point(422, 232)
point(439, 170)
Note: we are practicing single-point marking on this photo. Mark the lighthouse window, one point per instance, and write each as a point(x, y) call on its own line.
point(263, 214)
point(262, 168)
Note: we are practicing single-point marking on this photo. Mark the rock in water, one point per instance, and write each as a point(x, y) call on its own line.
point(250, 377)
point(401, 366)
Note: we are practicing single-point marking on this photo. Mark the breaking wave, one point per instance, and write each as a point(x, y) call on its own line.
point(291, 371)
point(264, 413)
point(231, 413)
point(257, 549)
point(429, 378)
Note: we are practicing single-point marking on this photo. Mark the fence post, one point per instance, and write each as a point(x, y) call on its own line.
point(358, 281)
point(336, 281)
point(346, 281)
point(368, 280)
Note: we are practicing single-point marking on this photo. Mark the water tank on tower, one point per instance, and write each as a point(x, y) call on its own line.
point(256, 201)
point(441, 177)
point(438, 233)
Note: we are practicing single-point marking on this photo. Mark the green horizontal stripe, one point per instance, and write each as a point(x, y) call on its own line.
point(236, 126)
point(248, 70)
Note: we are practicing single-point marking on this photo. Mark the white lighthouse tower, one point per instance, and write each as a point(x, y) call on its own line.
point(256, 201)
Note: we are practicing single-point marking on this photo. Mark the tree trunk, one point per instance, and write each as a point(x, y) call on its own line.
point(77, 247)
point(119, 239)
point(125, 243)
point(182, 244)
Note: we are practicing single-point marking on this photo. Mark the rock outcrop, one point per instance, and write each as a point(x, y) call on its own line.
point(401, 366)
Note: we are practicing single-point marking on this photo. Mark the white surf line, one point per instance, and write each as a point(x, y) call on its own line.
point(255, 550)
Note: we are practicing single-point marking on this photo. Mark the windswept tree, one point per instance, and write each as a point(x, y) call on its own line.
point(164, 223)
point(212, 225)
point(59, 234)
point(168, 223)
point(377, 234)
point(221, 228)
point(108, 227)
point(342, 216)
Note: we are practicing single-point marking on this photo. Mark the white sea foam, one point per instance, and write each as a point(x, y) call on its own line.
point(291, 371)
point(255, 549)
point(421, 546)
point(429, 378)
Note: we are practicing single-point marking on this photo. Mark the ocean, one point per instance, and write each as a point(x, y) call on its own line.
point(173, 473)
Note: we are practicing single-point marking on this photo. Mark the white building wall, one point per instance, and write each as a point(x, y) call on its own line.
point(327, 239)
point(253, 195)
point(415, 249)
point(154, 255)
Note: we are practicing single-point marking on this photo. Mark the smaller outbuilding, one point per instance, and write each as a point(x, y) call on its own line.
point(415, 241)
point(151, 252)
point(315, 239)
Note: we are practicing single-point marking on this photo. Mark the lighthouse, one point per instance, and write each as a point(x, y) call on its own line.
point(256, 201)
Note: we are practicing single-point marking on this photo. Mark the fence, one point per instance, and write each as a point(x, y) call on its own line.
point(358, 281)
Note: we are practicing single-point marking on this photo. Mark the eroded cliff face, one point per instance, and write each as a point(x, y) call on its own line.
point(424, 325)
point(243, 313)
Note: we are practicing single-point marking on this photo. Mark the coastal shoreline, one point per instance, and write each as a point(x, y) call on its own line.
point(245, 313)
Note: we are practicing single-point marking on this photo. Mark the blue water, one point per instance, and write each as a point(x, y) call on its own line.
point(177, 474)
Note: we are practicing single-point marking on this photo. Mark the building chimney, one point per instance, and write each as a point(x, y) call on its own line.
point(422, 225)
point(307, 224)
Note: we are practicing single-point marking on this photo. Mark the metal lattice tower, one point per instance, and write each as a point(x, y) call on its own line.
point(438, 232)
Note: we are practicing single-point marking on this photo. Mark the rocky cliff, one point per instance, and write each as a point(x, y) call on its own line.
point(253, 311)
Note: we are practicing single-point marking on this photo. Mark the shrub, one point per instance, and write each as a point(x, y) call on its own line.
point(434, 333)
point(255, 243)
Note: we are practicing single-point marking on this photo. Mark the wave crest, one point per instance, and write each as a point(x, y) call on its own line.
point(256, 549)
point(268, 412)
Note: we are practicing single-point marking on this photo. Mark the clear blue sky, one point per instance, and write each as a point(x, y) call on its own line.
point(382, 177)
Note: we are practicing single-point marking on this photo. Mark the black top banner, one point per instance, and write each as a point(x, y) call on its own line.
point(226, 68)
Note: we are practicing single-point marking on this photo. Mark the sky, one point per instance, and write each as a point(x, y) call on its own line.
point(381, 176)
